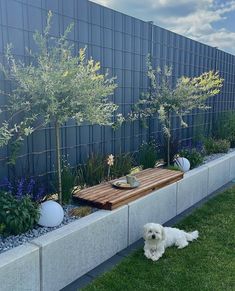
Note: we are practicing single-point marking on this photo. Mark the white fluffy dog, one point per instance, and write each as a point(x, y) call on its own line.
point(158, 238)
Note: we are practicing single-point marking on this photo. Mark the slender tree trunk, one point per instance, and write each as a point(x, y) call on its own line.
point(168, 151)
point(58, 160)
point(168, 137)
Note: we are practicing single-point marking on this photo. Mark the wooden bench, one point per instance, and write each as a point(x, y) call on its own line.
point(105, 196)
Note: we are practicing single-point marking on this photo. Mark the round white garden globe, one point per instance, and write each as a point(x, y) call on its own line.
point(183, 164)
point(51, 214)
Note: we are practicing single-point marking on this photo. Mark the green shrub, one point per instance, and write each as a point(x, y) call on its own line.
point(17, 215)
point(195, 157)
point(2, 227)
point(148, 155)
point(68, 182)
point(224, 127)
point(122, 165)
point(173, 168)
point(93, 172)
point(213, 146)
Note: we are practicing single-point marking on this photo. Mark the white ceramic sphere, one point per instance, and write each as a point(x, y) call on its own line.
point(183, 164)
point(51, 214)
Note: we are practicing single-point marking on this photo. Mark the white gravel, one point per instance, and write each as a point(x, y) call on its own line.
point(16, 240)
point(216, 156)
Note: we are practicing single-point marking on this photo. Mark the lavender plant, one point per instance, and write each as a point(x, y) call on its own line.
point(23, 188)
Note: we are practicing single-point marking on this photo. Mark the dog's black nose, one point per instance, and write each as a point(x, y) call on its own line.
point(153, 236)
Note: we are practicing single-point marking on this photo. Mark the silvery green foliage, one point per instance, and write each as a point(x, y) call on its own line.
point(164, 99)
point(55, 86)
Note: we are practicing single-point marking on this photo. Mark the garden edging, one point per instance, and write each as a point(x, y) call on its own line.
point(20, 269)
point(72, 250)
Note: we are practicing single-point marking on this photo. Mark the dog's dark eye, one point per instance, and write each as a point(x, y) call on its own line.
point(150, 231)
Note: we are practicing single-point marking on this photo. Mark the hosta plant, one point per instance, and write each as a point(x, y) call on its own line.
point(17, 215)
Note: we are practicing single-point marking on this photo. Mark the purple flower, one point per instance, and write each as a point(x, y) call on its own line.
point(6, 184)
point(30, 187)
point(20, 188)
point(23, 187)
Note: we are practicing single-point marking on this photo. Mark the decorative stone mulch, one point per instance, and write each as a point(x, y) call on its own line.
point(212, 157)
point(16, 240)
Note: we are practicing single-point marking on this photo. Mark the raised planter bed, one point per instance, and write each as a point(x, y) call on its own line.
point(71, 251)
point(54, 260)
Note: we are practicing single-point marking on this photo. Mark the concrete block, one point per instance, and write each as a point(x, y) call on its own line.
point(73, 250)
point(219, 173)
point(19, 269)
point(232, 166)
point(192, 188)
point(159, 207)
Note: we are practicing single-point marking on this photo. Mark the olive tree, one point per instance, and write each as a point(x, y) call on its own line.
point(163, 99)
point(54, 87)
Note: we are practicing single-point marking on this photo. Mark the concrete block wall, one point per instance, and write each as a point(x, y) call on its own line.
point(70, 252)
point(20, 269)
point(219, 173)
point(158, 206)
point(192, 188)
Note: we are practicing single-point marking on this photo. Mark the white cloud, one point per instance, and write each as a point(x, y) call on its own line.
point(194, 19)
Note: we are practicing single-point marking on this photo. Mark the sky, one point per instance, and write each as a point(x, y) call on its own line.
point(209, 21)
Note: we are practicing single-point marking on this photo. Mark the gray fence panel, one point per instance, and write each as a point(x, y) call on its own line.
point(121, 43)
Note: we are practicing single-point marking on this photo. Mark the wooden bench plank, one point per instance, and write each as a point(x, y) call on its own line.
point(124, 193)
point(110, 205)
point(107, 197)
point(103, 188)
point(120, 192)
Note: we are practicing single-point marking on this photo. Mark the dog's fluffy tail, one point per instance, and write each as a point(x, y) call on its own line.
point(190, 236)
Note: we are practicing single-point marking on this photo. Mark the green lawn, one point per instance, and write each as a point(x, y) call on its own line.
point(207, 264)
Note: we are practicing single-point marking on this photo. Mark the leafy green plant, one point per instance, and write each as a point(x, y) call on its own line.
point(195, 157)
point(162, 99)
point(213, 146)
point(122, 165)
point(148, 155)
point(68, 182)
point(173, 168)
point(17, 215)
point(93, 172)
point(2, 227)
point(224, 127)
